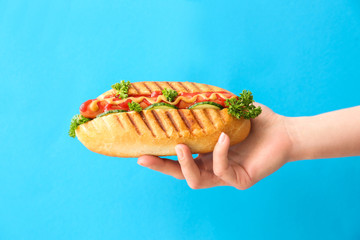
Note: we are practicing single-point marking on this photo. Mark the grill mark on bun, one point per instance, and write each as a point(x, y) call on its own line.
point(214, 116)
point(189, 87)
point(204, 120)
point(185, 87)
point(133, 123)
point(172, 86)
point(195, 86)
point(207, 115)
point(183, 129)
point(168, 85)
point(197, 119)
point(179, 86)
point(218, 115)
point(147, 87)
point(158, 120)
point(170, 117)
point(106, 123)
point(146, 121)
point(158, 85)
point(204, 87)
point(135, 88)
point(185, 120)
point(209, 88)
point(154, 86)
point(118, 120)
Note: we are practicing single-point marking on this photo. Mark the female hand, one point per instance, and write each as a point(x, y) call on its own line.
point(264, 151)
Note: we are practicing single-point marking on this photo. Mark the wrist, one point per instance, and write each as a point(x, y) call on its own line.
point(295, 130)
point(328, 135)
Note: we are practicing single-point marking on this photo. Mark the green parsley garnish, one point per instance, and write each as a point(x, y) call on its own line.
point(134, 106)
point(121, 88)
point(169, 94)
point(243, 107)
point(77, 120)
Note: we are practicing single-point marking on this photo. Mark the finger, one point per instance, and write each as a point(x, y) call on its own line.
point(188, 166)
point(166, 166)
point(221, 166)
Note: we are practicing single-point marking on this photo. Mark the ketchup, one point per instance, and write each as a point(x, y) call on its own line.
point(145, 103)
point(218, 100)
point(104, 106)
point(121, 106)
point(156, 94)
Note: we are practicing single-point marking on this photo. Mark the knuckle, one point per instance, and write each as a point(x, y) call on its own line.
point(244, 180)
point(194, 185)
point(244, 186)
point(220, 172)
point(179, 177)
point(240, 187)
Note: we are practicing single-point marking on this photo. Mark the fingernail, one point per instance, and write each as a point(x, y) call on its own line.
point(221, 138)
point(140, 163)
point(179, 152)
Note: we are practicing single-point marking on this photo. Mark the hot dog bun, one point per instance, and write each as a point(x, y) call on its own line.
point(149, 87)
point(156, 132)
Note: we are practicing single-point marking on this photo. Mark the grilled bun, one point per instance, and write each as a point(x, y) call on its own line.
point(185, 87)
point(157, 132)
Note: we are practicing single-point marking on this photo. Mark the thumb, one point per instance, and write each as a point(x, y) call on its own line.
point(233, 174)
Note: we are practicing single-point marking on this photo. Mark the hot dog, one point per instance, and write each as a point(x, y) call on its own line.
point(134, 119)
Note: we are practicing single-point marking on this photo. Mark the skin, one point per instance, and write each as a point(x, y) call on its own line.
point(273, 141)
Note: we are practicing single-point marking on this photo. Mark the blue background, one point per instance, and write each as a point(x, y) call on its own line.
point(298, 57)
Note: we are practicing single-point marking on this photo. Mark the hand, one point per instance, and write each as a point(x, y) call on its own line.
point(264, 151)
